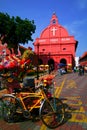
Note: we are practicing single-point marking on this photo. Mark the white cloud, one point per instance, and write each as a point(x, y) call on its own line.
point(76, 26)
point(82, 4)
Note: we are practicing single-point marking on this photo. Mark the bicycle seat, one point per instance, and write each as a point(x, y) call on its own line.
point(29, 83)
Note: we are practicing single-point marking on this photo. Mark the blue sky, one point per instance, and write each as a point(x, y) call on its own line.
point(72, 14)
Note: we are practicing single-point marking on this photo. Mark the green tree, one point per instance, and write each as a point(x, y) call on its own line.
point(14, 30)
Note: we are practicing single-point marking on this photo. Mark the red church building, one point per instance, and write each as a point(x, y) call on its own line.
point(55, 45)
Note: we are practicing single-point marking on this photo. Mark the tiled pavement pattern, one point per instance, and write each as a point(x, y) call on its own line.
point(72, 89)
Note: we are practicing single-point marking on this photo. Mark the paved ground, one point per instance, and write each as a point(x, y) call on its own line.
point(71, 87)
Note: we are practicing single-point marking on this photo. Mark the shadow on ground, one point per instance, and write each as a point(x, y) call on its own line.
point(68, 112)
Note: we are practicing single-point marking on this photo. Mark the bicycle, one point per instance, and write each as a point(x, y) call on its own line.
point(51, 109)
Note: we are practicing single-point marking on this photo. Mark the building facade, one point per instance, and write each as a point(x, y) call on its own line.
point(83, 59)
point(55, 45)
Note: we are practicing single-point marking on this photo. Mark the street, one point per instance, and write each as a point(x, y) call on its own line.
point(72, 90)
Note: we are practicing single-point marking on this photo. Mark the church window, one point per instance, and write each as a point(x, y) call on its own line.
point(54, 21)
point(64, 48)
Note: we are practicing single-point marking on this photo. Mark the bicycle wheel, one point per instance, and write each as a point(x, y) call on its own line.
point(1, 109)
point(9, 108)
point(52, 112)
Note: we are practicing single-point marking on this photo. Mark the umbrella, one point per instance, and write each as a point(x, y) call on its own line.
point(61, 65)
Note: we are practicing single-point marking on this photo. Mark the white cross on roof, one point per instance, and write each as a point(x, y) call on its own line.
point(54, 30)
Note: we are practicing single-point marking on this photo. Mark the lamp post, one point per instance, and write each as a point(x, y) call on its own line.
point(43, 54)
point(37, 61)
point(49, 62)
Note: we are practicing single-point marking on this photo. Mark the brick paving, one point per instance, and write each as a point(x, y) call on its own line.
point(71, 87)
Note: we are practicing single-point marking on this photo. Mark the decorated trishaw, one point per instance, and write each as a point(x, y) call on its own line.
point(13, 69)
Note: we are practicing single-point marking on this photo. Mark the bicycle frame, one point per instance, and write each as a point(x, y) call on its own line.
point(36, 99)
point(49, 108)
point(37, 96)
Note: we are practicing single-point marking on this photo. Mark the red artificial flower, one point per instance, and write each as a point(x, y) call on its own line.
point(11, 64)
point(1, 67)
